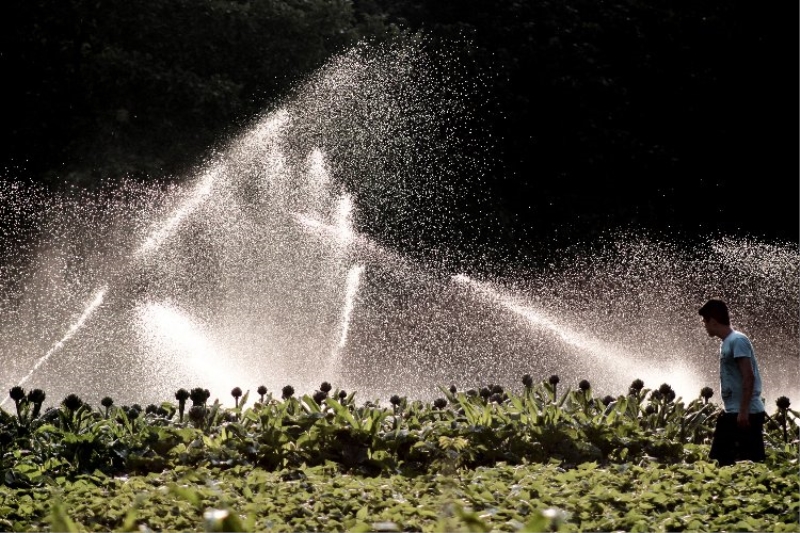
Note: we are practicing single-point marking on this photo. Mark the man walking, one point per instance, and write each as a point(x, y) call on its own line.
point(739, 433)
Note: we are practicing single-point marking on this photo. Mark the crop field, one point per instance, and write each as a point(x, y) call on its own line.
point(486, 459)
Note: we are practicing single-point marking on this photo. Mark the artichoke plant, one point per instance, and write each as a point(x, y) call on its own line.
point(319, 396)
point(107, 402)
point(199, 396)
point(667, 392)
point(182, 395)
point(197, 415)
point(553, 381)
point(706, 393)
point(783, 404)
point(287, 392)
point(72, 403)
point(36, 397)
point(236, 392)
point(18, 395)
point(636, 387)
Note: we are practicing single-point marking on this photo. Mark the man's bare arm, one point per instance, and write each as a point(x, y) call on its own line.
point(748, 381)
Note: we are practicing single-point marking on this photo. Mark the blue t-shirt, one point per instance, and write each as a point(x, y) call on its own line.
point(734, 346)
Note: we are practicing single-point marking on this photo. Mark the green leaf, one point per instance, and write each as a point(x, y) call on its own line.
point(60, 520)
point(186, 493)
point(536, 524)
point(360, 527)
point(343, 414)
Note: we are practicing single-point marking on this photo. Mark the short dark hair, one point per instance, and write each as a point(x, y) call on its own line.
point(716, 309)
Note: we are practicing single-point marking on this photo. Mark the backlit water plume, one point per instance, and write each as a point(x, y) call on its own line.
point(282, 260)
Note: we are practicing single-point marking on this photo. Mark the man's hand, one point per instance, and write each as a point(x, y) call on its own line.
point(743, 420)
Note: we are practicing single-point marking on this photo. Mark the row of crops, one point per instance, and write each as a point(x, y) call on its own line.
point(285, 439)
point(471, 428)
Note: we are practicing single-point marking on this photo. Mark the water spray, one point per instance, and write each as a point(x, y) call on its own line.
point(353, 280)
point(201, 191)
point(623, 364)
point(263, 247)
point(152, 242)
point(96, 302)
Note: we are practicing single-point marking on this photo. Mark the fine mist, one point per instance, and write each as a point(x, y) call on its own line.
point(300, 252)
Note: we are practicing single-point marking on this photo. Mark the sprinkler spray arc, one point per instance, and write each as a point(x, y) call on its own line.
point(252, 272)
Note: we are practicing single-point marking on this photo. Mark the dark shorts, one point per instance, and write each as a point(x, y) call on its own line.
point(731, 444)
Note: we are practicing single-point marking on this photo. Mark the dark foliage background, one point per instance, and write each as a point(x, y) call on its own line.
point(664, 115)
